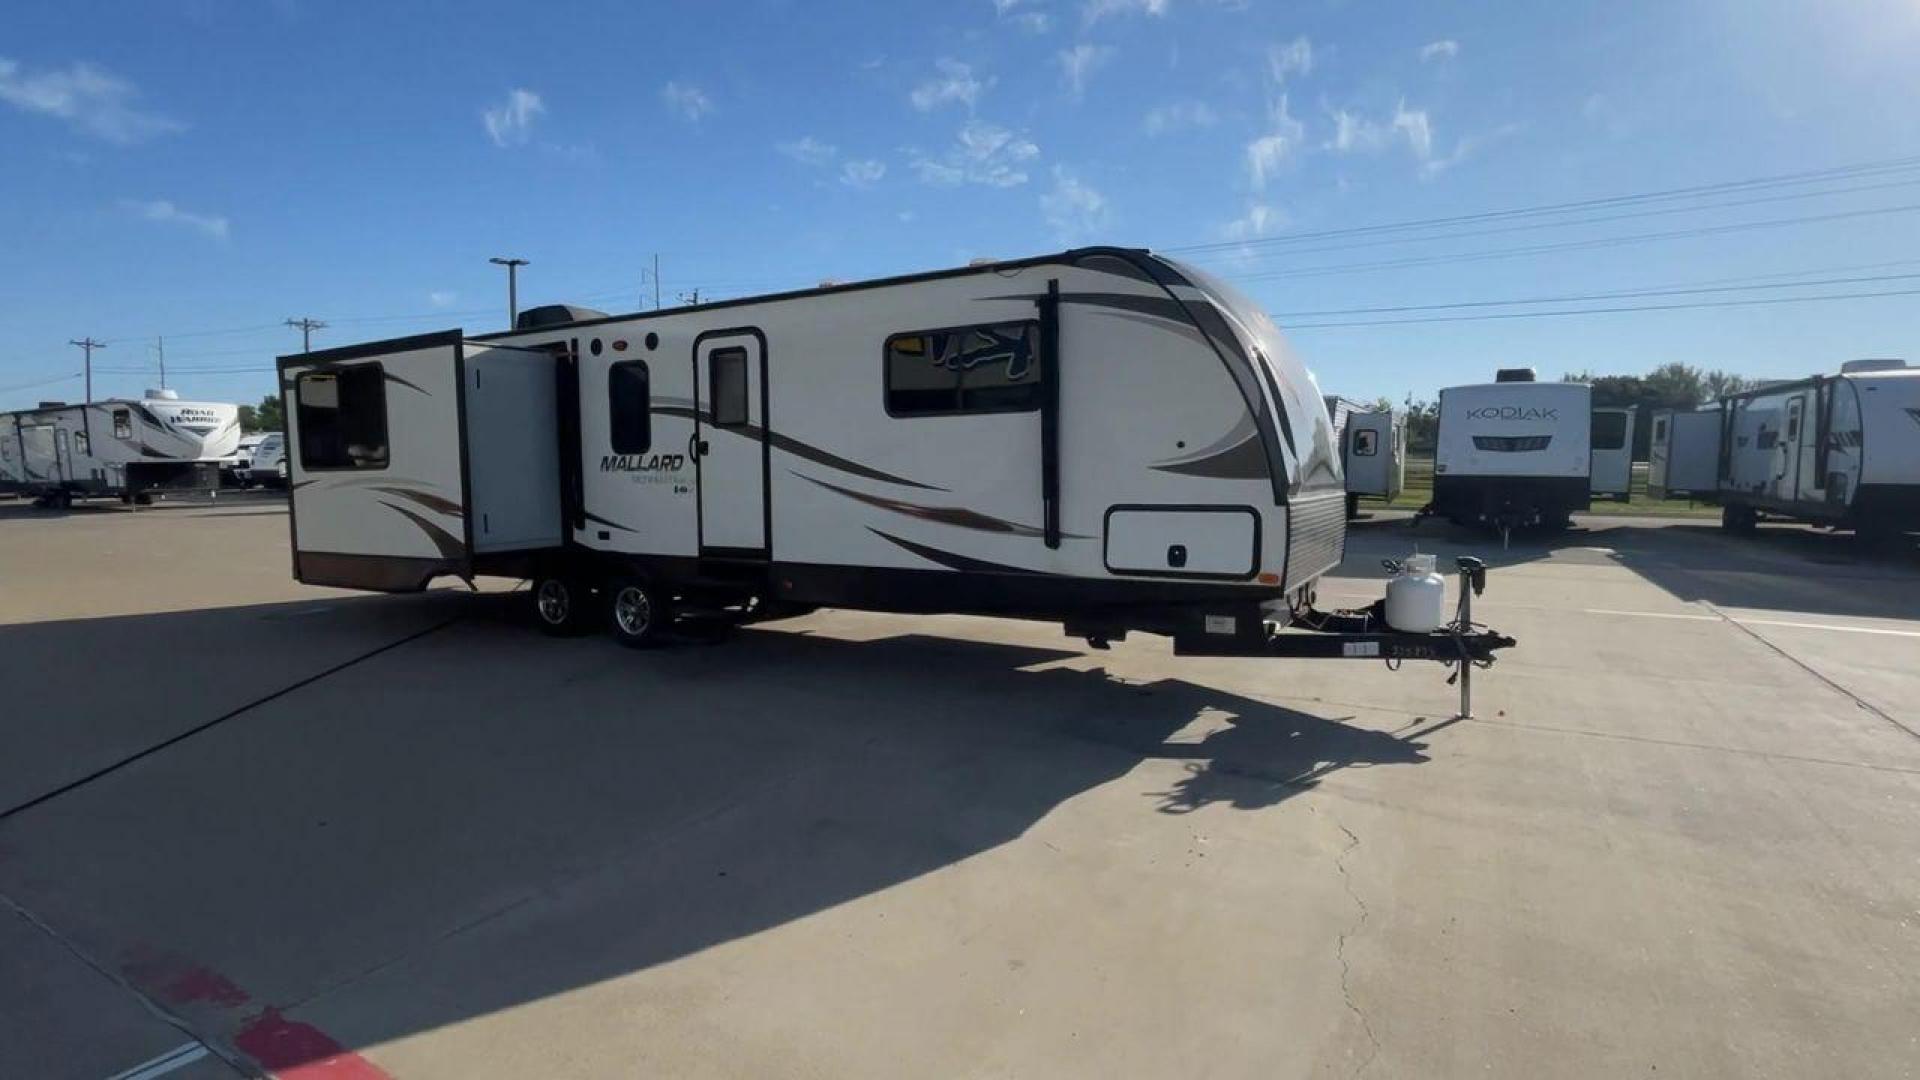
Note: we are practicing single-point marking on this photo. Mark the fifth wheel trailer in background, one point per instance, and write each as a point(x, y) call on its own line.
point(118, 447)
point(1838, 450)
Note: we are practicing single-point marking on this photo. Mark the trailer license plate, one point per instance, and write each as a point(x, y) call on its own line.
point(1222, 624)
point(1360, 648)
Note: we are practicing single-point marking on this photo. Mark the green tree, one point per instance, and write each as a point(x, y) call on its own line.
point(249, 419)
point(266, 414)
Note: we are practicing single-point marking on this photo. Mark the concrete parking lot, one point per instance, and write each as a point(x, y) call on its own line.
point(249, 826)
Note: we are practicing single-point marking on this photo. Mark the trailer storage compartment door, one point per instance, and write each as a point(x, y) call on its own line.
point(419, 457)
point(1183, 541)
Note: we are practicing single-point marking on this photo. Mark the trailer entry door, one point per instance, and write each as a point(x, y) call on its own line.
point(730, 443)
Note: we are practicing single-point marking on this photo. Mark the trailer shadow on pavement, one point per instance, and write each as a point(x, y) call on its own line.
point(480, 817)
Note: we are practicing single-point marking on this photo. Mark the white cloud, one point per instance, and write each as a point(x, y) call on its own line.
point(983, 154)
point(1033, 22)
point(1354, 133)
point(1414, 125)
point(161, 210)
point(1266, 154)
point(87, 97)
point(808, 150)
point(1073, 209)
point(510, 123)
point(1260, 220)
point(1444, 49)
point(862, 172)
point(687, 100)
point(1095, 10)
point(955, 82)
point(443, 298)
point(1293, 58)
point(1081, 61)
point(1179, 116)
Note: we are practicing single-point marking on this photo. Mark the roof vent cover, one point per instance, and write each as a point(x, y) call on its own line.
point(1882, 363)
point(1513, 374)
point(539, 318)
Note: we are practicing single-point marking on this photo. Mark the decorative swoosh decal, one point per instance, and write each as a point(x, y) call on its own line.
point(795, 447)
point(956, 562)
point(427, 499)
point(1244, 460)
point(958, 516)
point(590, 516)
point(450, 546)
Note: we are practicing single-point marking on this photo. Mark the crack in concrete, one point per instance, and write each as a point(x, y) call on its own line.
point(1340, 949)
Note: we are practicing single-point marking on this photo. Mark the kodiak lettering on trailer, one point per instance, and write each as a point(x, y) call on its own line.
point(1512, 412)
point(643, 463)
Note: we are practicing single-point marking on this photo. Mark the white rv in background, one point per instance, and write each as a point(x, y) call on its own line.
point(119, 447)
point(1513, 453)
point(1373, 449)
point(1102, 437)
point(1838, 450)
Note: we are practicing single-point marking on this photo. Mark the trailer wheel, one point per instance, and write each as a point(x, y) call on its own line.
point(562, 604)
point(1735, 518)
point(638, 614)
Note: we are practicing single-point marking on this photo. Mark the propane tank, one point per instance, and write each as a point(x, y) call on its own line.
point(1417, 596)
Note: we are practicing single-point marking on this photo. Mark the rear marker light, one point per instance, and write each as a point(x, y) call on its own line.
point(1268, 579)
point(620, 345)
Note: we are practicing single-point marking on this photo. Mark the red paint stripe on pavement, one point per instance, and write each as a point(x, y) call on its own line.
point(295, 1051)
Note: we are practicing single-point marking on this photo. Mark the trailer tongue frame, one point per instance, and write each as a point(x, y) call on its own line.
point(1364, 635)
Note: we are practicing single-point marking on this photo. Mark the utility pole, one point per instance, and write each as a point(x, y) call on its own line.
point(306, 328)
point(87, 345)
point(656, 281)
point(513, 287)
point(691, 297)
point(160, 346)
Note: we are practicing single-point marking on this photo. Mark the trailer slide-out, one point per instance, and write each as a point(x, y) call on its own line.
point(1103, 438)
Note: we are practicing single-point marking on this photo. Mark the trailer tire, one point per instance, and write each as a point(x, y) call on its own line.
point(1735, 518)
point(638, 613)
point(563, 605)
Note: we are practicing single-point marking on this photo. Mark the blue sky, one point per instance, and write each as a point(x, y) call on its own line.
point(175, 168)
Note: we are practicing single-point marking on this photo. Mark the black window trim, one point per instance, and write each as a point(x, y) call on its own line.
point(385, 430)
point(646, 371)
point(730, 353)
point(886, 351)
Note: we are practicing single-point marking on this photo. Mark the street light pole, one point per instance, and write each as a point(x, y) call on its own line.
point(513, 287)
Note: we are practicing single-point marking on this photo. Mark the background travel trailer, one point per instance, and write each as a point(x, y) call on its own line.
point(1840, 450)
point(1102, 437)
point(119, 447)
point(1513, 453)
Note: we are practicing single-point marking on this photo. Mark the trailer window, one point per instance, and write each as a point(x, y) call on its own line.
point(1366, 442)
point(630, 406)
point(1609, 430)
point(727, 386)
point(969, 369)
point(122, 424)
point(343, 418)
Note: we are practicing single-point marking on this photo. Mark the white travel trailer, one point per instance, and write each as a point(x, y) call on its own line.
point(1513, 453)
point(1100, 437)
point(1839, 450)
point(120, 447)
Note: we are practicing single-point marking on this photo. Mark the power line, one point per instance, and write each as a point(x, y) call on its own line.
point(1577, 245)
point(1889, 165)
point(42, 382)
point(1572, 223)
point(306, 328)
point(1583, 297)
point(1764, 302)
